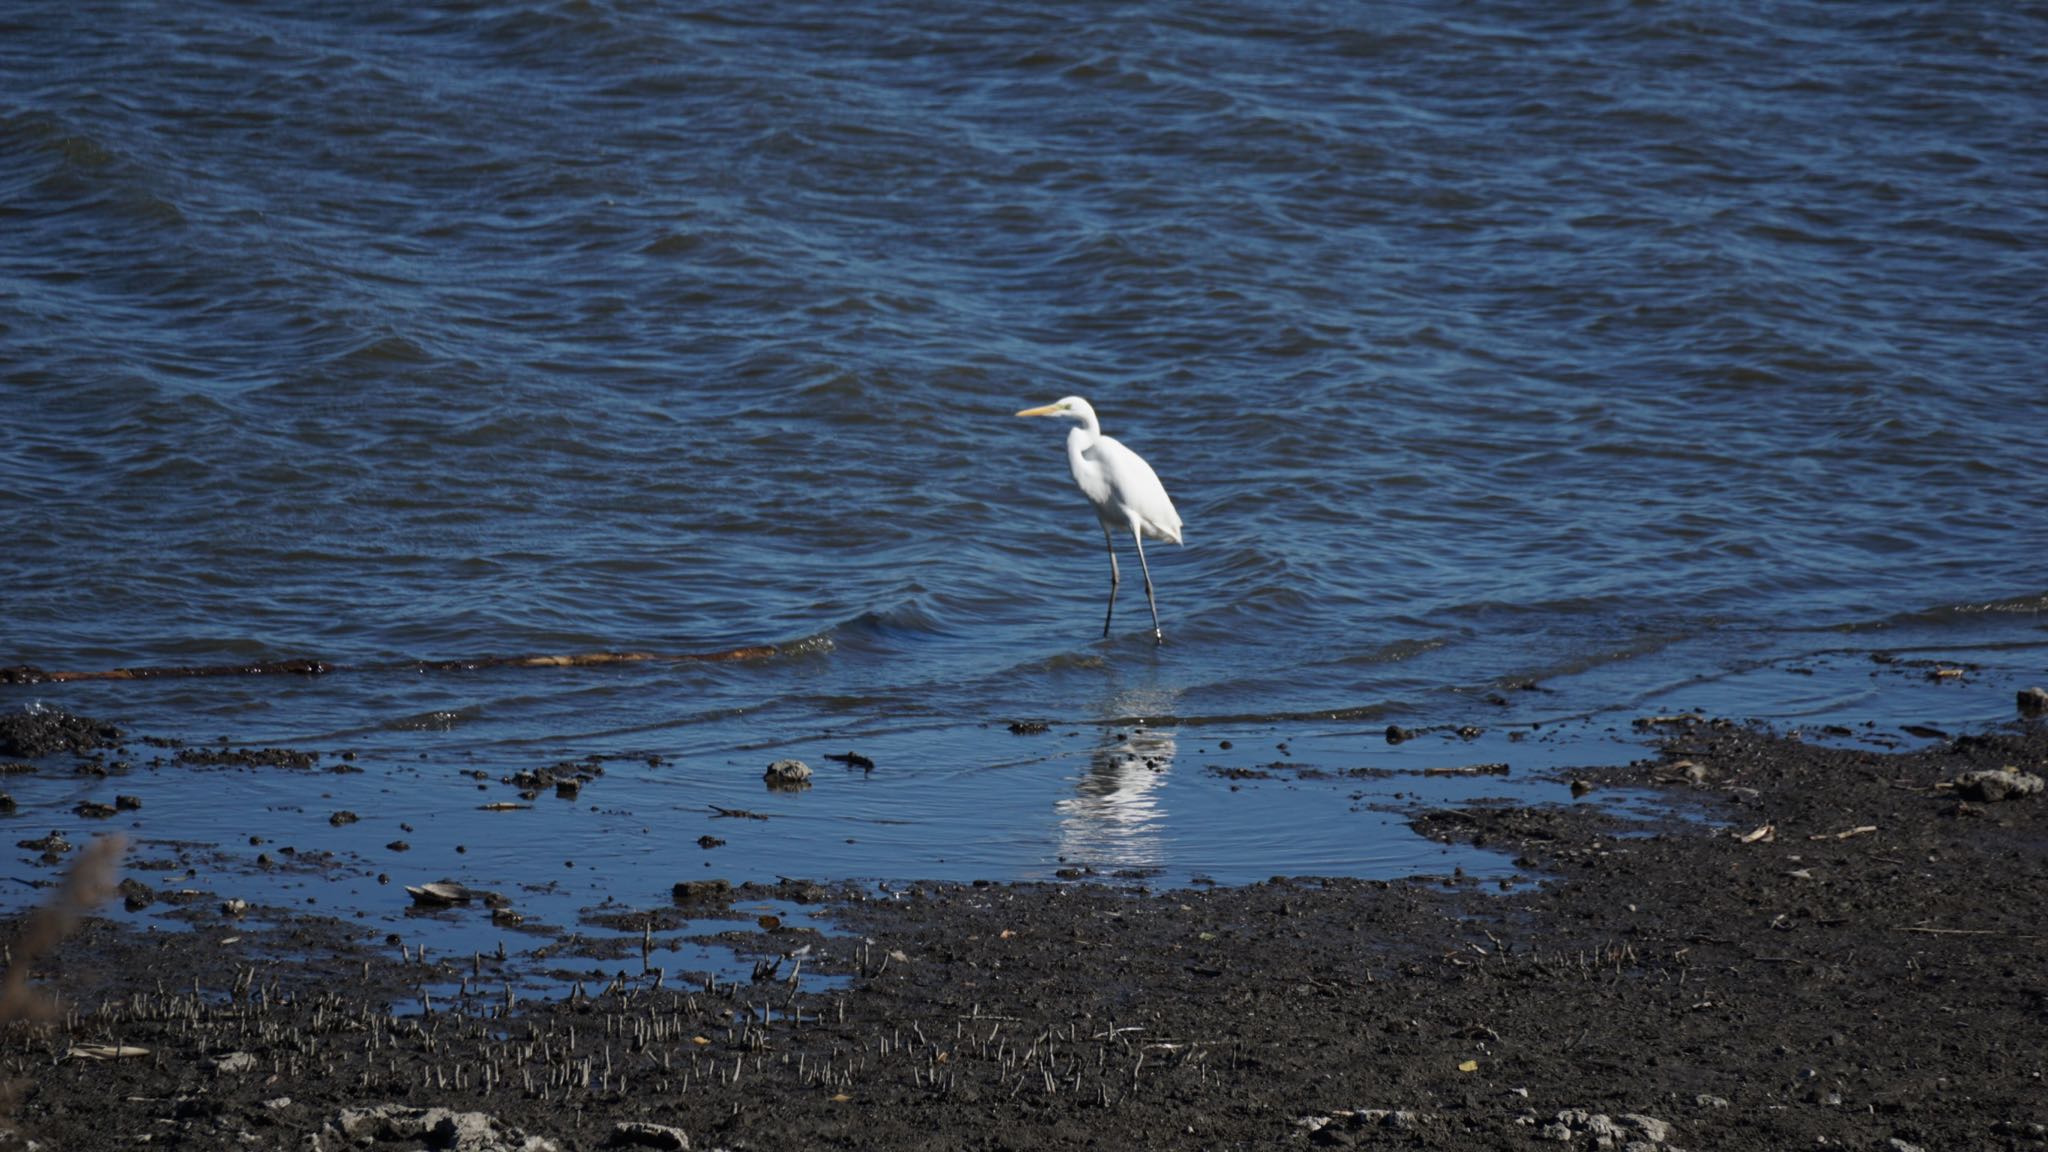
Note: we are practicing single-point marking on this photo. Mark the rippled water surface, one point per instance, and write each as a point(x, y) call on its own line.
point(1507, 365)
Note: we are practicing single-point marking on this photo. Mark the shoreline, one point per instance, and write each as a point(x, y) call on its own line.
point(1872, 989)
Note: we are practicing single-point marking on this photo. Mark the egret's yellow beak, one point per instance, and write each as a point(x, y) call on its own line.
point(1042, 410)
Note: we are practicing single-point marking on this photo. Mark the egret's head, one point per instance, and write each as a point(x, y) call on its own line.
point(1073, 408)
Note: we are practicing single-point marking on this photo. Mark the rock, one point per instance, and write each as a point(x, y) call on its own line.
point(2033, 701)
point(52, 845)
point(1332, 1136)
point(42, 731)
point(343, 817)
point(2000, 784)
point(709, 842)
point(463, 1131)
point(6, 803)
point(1706, 1101)
point(234, 1064)
point(1397, 734)
point(703, 892)
point(788, 774)
point(1654, 1130)
point(1897, 1145)
point(93, 809)
point(636, 1134)
point(1559, 1132)
point(127, 803)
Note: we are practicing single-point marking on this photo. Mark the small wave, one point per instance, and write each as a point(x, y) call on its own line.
point(438, 720)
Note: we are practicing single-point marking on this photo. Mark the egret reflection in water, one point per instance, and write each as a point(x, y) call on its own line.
point(1115, 819)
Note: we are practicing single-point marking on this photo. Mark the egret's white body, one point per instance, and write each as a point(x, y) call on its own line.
point(1123, 488)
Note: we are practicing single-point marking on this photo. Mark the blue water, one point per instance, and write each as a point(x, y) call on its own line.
point(1602, 362)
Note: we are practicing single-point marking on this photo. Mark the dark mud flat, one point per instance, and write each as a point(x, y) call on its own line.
point(1867, 974)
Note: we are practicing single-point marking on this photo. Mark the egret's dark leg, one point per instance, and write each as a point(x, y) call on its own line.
point(1114, 580)
point(1157, 635)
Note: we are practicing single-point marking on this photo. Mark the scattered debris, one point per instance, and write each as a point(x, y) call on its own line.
point(639, 1134)
point(1028, 727)
point(1764, 834)
point(444, 892)
point(1676, 719)
point(1859, 830)
point(435, 1128)
point(105, 1052)
point(1469, 770)
point(233, 1063)
point(852, 760)
point(1992, 786)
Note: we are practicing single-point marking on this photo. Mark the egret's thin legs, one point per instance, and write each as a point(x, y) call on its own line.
point(1139, 537)
point(1114, 580)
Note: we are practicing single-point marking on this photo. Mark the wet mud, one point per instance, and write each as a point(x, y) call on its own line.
point(1814, 947)
point(307, 666)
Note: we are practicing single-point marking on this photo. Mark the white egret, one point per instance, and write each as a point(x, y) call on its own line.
point(1123, 488)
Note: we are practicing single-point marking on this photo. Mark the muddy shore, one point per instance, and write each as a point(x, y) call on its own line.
point(1817, 947)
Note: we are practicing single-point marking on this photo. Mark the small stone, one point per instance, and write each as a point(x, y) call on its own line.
point(2033, 702)
point(1397, 734)
point(127, 803)
point(709, 842)
point(1706, 1101)
point(1561, 1133)
point(343, 817)
point(1897, 1145)
point(788, 774)
point(93, 809)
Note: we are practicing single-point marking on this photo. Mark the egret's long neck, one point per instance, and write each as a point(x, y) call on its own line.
point(1081, 438)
